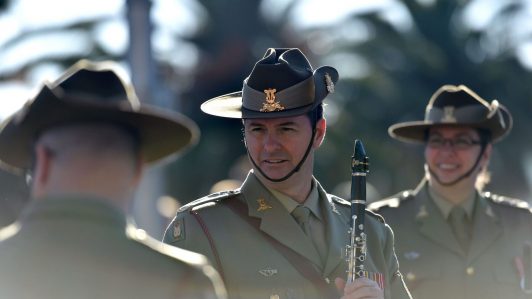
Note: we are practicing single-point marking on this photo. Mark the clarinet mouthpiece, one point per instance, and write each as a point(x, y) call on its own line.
point(360, 162)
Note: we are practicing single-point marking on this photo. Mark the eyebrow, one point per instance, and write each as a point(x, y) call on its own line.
point(287, 123)
point(459, 134)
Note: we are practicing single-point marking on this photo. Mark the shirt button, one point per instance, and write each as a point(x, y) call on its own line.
point(410, 276)
point(274, 296)
point(470, 271)
point(327, 280)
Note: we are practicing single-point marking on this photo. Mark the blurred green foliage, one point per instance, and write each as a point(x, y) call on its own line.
point(404, 68)
point(388, 73)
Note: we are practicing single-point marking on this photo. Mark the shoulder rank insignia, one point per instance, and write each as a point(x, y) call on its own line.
point(178, 230)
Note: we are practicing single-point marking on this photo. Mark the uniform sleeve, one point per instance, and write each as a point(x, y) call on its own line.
point(186, 232)
point(398, 289)
point(201, 283)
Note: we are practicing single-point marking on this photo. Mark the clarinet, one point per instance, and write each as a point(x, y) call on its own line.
point(356, 247)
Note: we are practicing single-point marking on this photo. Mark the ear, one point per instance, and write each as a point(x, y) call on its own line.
point(486, 156)
point(321, 128)
point(139, 171)
point(244, 133)
point(42, 171)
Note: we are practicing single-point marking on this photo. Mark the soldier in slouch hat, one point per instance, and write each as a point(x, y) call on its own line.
point(453, 239)
point(281, 235)
point(86, 139)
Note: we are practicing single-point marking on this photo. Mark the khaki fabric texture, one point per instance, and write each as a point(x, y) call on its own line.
point(434, 264)
point(253, 268)
point(79, 248)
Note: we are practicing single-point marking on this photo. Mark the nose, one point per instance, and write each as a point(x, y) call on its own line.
point(271, 142)
point(448, 144)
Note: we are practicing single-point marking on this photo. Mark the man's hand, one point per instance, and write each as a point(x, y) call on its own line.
point(360, 288)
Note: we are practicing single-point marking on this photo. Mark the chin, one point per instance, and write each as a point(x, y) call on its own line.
point(275, 176)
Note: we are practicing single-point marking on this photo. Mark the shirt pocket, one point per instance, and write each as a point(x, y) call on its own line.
point(422, 274)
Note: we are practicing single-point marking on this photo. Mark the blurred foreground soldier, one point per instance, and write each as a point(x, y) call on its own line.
point(281, 235)
point(454, 241)
point(86, 139)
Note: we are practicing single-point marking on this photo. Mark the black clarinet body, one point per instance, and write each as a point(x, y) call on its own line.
point(356, 247)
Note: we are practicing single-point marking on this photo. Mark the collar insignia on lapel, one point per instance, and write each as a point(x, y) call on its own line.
point(263, 205)
point(411, 255)
point(489, 212)
point(268, 272)
point(422, 212)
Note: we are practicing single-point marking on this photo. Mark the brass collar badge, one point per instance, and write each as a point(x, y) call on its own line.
point(263, 205)
point(271, 105)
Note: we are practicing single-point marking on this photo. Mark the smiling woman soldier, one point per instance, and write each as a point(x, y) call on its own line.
point(454, 241)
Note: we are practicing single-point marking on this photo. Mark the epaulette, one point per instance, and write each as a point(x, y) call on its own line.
point(9, 231)
point(391, 202)
point(379, 217)
point(339, 200)
point(344, 202)
point(209, 200)
point(507, 201)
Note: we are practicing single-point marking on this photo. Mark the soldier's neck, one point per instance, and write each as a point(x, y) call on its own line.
point(294, 187)
point(455, 194)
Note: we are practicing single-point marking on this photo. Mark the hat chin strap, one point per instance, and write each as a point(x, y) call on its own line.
point(465, 175)
point(296, 169)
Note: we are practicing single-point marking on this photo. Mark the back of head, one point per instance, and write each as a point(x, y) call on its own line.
point(67, 117)
point(95, 159)
point(91, 141)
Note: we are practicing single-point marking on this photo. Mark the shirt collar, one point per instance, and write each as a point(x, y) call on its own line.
point(78, 207)
point(445, 206)
point(312, 202)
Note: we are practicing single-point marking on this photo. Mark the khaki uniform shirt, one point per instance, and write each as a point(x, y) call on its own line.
point(254, 268)
point(434, 264)
point(82, 248)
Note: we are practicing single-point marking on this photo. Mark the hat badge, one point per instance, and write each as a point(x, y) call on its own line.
point(448, 115)
point(270, 105)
